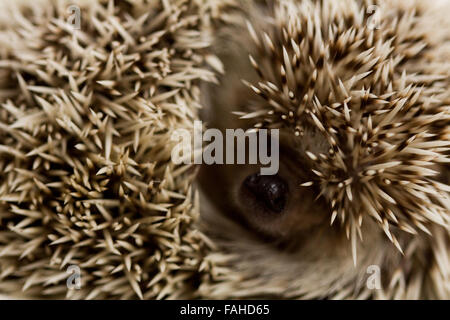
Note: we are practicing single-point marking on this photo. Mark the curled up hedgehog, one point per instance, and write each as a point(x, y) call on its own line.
point(359, 208)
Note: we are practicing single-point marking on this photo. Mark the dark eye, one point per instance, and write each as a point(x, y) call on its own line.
point(269, 191)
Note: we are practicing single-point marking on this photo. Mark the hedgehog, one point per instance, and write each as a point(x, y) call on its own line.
point(88, 108)
point(91, 205)
point(362, 105)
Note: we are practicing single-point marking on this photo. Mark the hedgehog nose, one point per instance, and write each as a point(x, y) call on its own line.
point(271, 191)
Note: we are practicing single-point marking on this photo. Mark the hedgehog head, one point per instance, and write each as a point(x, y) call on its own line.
point(379, 115)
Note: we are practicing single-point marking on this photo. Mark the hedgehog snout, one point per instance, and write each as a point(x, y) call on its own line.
point(270, 191)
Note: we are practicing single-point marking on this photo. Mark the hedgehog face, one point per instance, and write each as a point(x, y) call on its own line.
point(364, 136)
point(349, 83)
point(272, 206)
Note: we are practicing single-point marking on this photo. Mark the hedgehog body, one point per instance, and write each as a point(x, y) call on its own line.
point(87, 114)
point(86, 118)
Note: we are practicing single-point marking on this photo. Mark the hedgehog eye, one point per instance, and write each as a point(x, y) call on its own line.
point(267, 191)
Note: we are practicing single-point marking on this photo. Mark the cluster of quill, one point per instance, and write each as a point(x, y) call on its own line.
point(86, 116)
